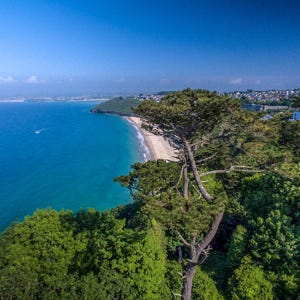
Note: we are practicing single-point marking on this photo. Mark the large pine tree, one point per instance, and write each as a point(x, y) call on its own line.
point(210, 132)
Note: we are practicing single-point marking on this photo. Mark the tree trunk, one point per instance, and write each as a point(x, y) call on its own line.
point(185, 183)
point(202, 189)
point(196, 250)
point(188, 274)
point(212, 232)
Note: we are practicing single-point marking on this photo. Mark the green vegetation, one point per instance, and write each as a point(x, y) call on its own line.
point(119, 105)
point(89, 255)
point(249, 282)
point(164, 93)
point(221, 223)
point(296, 102)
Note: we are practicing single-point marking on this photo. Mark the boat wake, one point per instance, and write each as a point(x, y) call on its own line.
point(40, 130)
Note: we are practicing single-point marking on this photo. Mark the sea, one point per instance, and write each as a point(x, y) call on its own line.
point(59, 155)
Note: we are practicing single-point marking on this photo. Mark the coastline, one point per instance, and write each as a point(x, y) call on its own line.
point(158, 146)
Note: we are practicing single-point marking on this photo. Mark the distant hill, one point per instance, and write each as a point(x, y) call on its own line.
point(121, 106)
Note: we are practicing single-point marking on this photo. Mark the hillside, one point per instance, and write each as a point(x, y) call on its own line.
point(119, 105)
point(221, 223)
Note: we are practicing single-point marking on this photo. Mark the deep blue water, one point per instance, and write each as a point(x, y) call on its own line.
point(61, 156)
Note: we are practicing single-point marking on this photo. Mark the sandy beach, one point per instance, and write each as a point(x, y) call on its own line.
point(158, 146)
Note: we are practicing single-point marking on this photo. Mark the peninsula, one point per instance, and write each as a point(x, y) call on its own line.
point(119, 106)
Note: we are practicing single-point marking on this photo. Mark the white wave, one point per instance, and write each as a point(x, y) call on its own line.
point(142, 142)
point(146, 151)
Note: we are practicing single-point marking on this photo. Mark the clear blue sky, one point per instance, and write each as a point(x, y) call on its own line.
point(50, 47)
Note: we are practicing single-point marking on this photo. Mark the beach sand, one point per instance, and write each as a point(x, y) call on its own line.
point(158, 146)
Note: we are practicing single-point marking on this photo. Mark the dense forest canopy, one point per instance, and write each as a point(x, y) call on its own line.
point(221, 223)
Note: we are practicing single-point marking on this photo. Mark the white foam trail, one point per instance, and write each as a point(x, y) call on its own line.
point(12, 101)
point(40, 130)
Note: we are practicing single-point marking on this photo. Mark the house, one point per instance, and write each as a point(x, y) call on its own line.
point(253, 107)
point(296, 115)
point(266, 117)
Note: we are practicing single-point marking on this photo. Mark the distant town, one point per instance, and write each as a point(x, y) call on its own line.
point(269, 100)
point(249, 96)
point(265, 96)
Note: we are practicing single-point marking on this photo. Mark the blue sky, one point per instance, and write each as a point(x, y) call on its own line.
point(50, 47)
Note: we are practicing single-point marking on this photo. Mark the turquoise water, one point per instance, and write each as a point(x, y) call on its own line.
point(61, 156)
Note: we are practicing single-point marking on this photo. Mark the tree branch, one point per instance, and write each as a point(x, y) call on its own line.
point(206, 253)
point(183, 239)
point(203, 246)
point(232, 169)
point(211, 234)
point(180, 177)
point(177, 295)
point(185, 183)
point(180, 257)
point(201, 188)
point(215, 172)
point(206, 159)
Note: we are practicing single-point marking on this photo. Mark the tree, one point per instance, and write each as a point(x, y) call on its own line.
point(129, 264)
point(154, 184)
point(271, 233)
point(289, 138)
point(250, 283)
point(35, 257)
point(268, 192)
point(90, 255)
point(296, 102)
point(275, 244)
point(237, 247)
point(204, 126)
point(204, 287)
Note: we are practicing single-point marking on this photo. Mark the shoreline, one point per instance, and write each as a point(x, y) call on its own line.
point(158, 146)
